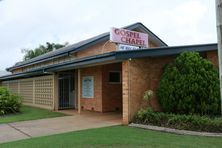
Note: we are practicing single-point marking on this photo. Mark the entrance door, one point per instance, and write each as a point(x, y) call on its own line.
point(66, 91)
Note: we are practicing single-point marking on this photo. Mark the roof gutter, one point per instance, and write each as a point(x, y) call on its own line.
point(83, 62)
point(164, 51)
point(21, 75)
point(35, 62)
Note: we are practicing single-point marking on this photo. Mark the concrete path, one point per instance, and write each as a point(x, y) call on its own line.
point(35, 128)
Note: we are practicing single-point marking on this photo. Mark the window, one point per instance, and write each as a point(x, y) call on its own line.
point(114, 77)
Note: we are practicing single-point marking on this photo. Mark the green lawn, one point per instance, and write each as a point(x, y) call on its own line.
point(116, 136)
point(29, 113)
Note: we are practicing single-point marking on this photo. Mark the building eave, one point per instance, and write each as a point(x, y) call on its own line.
point(112, 57)
point(165, 51)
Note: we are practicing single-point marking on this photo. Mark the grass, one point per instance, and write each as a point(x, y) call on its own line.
point(117, 136)
point(29, 113)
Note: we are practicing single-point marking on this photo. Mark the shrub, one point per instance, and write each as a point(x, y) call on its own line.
point(147, 96)
point(9, 103)
point(190, 85)
point(185, 122)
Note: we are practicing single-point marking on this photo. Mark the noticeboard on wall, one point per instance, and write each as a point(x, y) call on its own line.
point(88, 87)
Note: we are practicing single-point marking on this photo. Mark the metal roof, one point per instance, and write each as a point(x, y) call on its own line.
point(165, 51)
point(83, 45)
point(22, 75)
point(112, 57)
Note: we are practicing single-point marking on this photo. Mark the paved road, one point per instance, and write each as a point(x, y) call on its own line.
point(50, 126)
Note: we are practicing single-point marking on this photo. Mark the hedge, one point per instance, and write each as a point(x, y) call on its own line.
point(177, 121)
point(190, 85)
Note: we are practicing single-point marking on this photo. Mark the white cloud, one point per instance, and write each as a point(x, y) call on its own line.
point(28, 23)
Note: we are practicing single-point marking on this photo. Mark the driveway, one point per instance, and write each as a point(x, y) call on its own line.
point(50, 126)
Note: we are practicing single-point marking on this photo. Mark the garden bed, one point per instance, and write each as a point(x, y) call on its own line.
point(181, 122)
point(175, 131)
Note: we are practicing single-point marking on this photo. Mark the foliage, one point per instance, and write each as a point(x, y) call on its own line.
point(9, 103)
point(190, 85)
point(42, 49)
point(177, 121)
point(148, 95)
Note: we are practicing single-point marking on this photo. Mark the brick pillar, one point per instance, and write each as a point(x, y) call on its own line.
point(33, 91)
point(56, 91)
point(125, 89)
point(79, 91)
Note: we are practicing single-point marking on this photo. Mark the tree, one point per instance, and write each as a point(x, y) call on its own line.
point(190, 85)
point(42, 49)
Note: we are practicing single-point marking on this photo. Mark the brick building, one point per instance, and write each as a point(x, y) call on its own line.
point(93, 75)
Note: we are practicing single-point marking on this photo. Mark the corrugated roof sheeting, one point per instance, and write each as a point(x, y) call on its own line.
point(83, 45)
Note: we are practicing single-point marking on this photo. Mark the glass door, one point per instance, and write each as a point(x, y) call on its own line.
point(66, 91)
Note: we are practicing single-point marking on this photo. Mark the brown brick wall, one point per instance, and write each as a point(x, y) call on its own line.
point(112, 93)
point(140, 75)
point(17, 70)
point(212, 56)
point(151, 45)
point(99, 48)
point(96, 102)
point(145, 74)
point(107, 97)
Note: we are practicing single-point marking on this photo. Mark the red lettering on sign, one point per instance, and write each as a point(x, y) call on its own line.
point(129, 37)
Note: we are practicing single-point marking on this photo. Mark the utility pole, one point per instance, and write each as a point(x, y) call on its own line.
point(219, 39)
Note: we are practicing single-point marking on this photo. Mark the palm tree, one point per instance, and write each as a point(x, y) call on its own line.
point(42, 49)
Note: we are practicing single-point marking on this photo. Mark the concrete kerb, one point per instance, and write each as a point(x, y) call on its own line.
point(175, 131)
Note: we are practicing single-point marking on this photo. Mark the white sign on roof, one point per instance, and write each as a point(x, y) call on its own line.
point(127, 47)
point(129, 37)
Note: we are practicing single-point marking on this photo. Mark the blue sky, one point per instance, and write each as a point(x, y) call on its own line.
point(28, 23)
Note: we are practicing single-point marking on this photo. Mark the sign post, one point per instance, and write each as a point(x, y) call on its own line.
point(219, 38)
